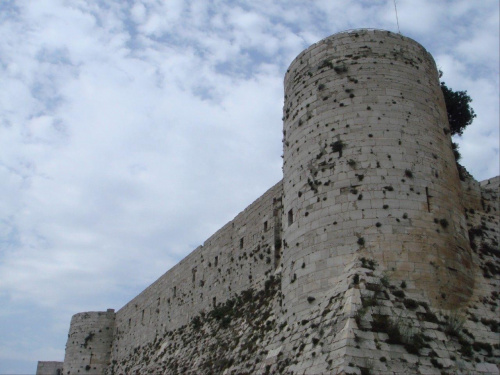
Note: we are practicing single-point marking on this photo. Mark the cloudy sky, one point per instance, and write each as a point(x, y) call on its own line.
point(131, 130)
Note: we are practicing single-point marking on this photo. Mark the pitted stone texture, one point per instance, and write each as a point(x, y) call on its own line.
point(381, 230)
point(89, 342)
point(49, 368)
point(369, 169)
point(235, 258)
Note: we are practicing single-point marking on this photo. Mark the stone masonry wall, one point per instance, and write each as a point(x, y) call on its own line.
point(49, 368)
point(369, 170)
point(235, 258)
point(89, 342)
point(367, 323)
point(371, 256)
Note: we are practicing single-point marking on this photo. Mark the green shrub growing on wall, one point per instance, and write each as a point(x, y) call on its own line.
point(460, 113)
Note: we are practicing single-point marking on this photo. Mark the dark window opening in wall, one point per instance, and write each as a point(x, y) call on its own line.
point(290, 217)
point(265, 226)
point(129, 322)
point(142, 318)
point(194, 275)
point(175, 291)
point(428, 199)
point(216, 261)
point(241, 243)
point(214, 301)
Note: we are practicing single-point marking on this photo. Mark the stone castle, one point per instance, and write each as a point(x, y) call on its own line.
point(376, 253)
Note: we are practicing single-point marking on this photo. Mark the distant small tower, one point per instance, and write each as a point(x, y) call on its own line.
point(369, 170)
point(90, 337)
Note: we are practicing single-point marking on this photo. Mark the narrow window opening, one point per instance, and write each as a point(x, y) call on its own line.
point(142, 318)
point(428, 199)
point(194, 275)
point(290, 217)
point(214, 301)
point(241, 243)
point(129, 322)
point(265, 226)
point(175, 291)
point(216, 261)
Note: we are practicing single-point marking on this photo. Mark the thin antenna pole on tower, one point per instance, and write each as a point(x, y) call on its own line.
point(397, 19)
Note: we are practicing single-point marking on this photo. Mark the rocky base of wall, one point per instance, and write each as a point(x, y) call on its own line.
point(231, 338)
point(365, 324)
point(372, 327)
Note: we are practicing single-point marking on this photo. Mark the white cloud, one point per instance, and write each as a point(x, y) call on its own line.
point(138, 13)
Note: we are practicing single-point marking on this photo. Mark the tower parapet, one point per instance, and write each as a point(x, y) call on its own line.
point(369, 170)
point(90, 337)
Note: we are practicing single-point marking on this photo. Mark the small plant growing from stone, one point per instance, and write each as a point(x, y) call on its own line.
point(384, 280)
point(196, 323)
point(89, 338)
point(455, 323)
point(338, 146)
point(340, 69)
point(368, 263)
point(444, 223)
point(410, 304)
point(355, 279)
point(325, 64)
point(399, 293)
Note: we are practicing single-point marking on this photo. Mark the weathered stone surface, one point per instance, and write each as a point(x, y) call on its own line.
point(374, 255)
point(49, 368)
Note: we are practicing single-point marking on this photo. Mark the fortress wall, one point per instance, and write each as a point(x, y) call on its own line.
point(89, 342)
point(471, 194)
point(49, 368)
point(480, 196)
point(490, 191)
point(369, 170)
point(235, 258)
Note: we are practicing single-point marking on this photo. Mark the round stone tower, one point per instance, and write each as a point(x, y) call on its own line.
point(90, 337)
point(369, 170)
